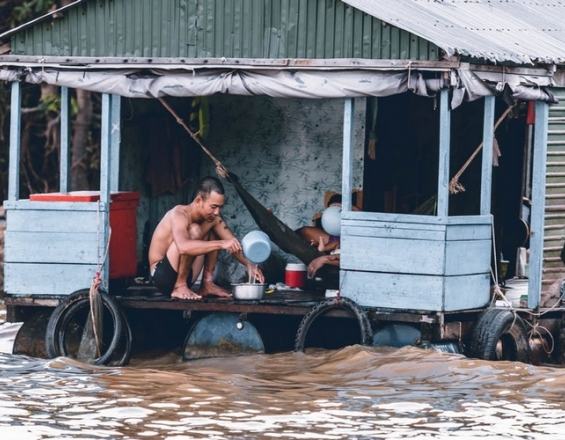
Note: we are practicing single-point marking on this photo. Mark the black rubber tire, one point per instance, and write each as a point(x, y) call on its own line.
point(126, 342)
point(51, 344)
point(366, 331)
point(117, 318)
point(500, 334)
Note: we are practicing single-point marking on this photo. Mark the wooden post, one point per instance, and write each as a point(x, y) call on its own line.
point(488, 143)
point(115, 142)
point(538, 205)
point(347, 172)
point(443, 168)
point(15, 133)
point(65, 156)
point(105, 167)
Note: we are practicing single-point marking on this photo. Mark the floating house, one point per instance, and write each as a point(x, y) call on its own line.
point(389, 98)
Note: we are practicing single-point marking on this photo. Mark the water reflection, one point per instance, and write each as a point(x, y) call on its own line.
point(355, 392)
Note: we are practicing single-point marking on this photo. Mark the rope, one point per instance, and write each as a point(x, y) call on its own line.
point(94, 292)
point(455, 186)
point(221, 170)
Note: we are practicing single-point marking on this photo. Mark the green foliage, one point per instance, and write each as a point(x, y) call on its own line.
point(18, 12)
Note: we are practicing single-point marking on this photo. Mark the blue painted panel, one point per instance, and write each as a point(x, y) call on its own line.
point(416, 292)
point(52, 247)
point(65, 152)
point(347, 167)
point(488, 142)
point(46, 279)
point(51, 221)
point(538, 204)
point(15, 134)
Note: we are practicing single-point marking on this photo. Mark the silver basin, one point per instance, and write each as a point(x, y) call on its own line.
point(248, 291)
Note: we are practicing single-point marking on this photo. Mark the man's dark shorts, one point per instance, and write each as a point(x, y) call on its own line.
point(164, 277)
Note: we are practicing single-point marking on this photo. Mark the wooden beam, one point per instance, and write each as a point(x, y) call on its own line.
point(538, 204)
point(444, 143)
point(488, 143)
point(65, 152)
point(15, 135)
point(115, 142)
point(105, 167)
point(347, 165)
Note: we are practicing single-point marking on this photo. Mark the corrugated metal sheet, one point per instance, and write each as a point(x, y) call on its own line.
point(554, 227)
point(220, 28)
point(521, 31)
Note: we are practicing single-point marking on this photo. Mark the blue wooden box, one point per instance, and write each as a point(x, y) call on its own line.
point(415, 262)
point(51, 248)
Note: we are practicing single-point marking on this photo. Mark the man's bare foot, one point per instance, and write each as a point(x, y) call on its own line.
point(183, 292)
point(212, 289)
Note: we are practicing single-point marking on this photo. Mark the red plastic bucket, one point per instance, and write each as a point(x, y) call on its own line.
point(295, 275)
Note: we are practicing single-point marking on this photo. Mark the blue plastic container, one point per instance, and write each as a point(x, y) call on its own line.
point(256, 246)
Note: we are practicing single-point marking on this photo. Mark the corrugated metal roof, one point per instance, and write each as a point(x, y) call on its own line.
point(521, 31)
point(267, 29)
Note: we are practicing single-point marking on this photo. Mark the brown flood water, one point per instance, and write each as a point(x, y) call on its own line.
point(355, 392)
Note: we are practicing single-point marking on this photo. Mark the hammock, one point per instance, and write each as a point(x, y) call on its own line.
point(279, 233)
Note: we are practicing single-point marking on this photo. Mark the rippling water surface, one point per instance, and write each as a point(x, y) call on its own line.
point(355, 392)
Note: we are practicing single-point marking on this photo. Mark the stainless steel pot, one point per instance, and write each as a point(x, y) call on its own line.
point(247, 291)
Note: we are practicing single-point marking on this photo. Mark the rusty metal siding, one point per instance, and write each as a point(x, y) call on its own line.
point(220, 28)
point(554, 226)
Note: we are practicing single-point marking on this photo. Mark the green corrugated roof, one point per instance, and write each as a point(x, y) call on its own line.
point(321, 29)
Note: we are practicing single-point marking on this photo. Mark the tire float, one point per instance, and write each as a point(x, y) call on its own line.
point(67, 325)
point(500, 334)
point(338, 303)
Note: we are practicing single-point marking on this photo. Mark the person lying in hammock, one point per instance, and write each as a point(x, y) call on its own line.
point(315, 235)
point(187, 240)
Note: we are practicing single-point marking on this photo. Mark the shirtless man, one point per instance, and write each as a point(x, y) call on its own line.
point(188, 239)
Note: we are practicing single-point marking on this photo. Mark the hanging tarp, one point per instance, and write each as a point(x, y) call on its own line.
point(468, 84)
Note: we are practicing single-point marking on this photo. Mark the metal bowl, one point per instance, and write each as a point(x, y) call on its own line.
point(247, 291)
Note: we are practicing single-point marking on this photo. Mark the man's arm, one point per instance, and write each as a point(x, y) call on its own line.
point(223, 231)
point(187, 245)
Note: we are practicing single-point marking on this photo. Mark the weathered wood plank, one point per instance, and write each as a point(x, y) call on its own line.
point(464, 257)
point(15, 135)
point(428, 257)
point(65, 152)
point(444, 144)
point(416, 292)
point(115, 142)
point(538, 205)
point(51, 221)
point(392, 232)
point(347, 165)
point(488, 142)
point(468, 232)
point(407, 292)
point(391, 224)
point(51, 247)
point(27, 205)
point(47, 279)
point(393, 255)
point(409, 218)
point(466, 292)
point(105, 180)
point(416, 231)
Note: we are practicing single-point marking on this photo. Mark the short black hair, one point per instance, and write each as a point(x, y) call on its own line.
point(336, 198)
point(207, 185)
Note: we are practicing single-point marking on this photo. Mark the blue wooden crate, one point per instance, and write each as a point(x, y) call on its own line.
point(51, 248)
point(416, 262)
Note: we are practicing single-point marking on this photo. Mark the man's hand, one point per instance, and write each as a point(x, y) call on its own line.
point(255, 273)
point(316, 264)
point(232, 246)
